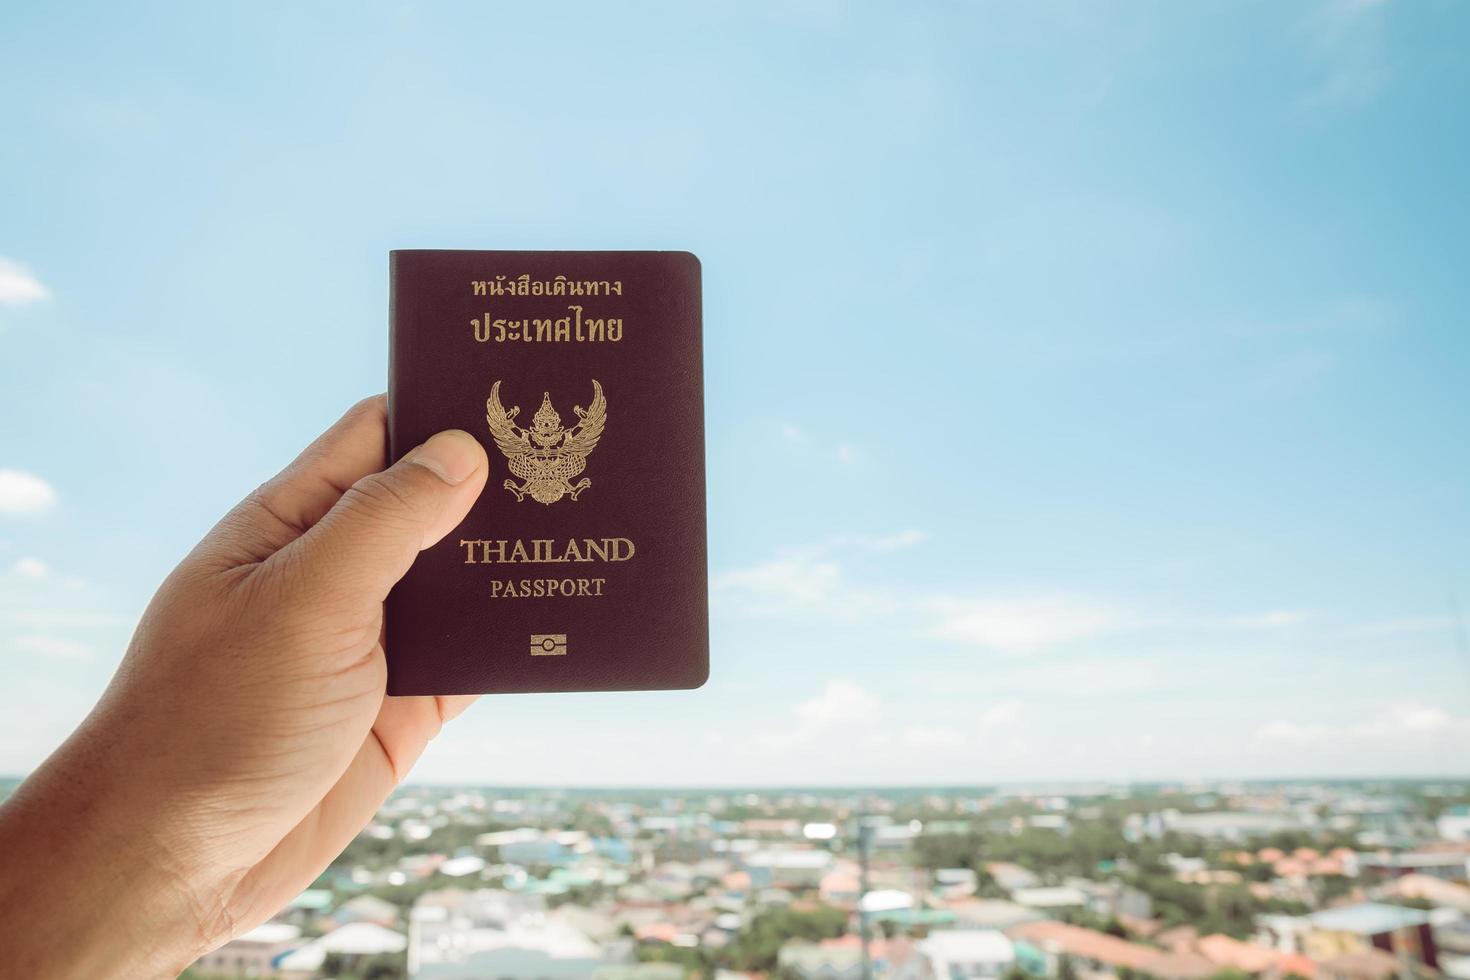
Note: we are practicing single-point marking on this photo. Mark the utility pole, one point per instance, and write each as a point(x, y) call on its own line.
point(863, 834)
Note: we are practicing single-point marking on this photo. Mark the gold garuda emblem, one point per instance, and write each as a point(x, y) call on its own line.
point(547, 456)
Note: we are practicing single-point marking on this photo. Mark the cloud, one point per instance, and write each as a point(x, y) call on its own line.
point(1021, 624)
point(1273, 620)
point(1292, 731)
point(24, 493)
point(31, 568)
point(799, 579)
point(825, 724)
point(1000, 715)
point(809, 580)
point(894, 542)
point(18, 285)
point(927, 738)
point(840, 702)
point(52, 647)
point(812, 581)
point(1393, 627)
point(844, 451)
point(1405, 719)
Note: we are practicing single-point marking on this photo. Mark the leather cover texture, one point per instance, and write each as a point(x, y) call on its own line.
point(582, 567)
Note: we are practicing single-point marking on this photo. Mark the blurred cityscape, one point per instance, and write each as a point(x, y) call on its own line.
point(1315, 880)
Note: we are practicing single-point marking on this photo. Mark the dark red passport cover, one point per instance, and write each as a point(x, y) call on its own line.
point(582, 565)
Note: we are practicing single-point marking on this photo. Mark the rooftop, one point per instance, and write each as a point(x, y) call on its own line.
point(1368, 918)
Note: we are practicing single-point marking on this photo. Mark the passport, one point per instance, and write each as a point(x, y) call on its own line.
point(582, 566)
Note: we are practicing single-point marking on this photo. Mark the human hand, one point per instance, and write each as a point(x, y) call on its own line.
point(246, 737)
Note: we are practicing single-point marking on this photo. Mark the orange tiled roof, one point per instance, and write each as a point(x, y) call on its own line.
point(1368, 964)
point(1180, 966)
point(663, 932)
point(1230, 952)
point(1086, 943)
point(1298, 965)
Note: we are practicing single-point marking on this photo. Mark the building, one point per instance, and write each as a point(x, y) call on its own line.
point(955, 882)
point(352, 943)
point(1437, 891)
point(465, 935)
point(1454, 824)
point(366, 908)
point(842, 959)
point(964, 954)
point(1050, 899)
point(1327, 935)
point(254, 953)
point(787, 868)
point(1011, 876)
point(991, 913)
point(1229, 825)
point(1041, 946)
point(1448, 861)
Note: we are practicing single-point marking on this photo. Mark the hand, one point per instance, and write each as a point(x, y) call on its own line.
point(246, 737)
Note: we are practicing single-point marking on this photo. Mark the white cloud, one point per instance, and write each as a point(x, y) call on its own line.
point(24, 493)
point(897, 541)
point(1021, 624)
point(927, 738)
point(809, 580)
point(797, 579)
point(824, 725)
point(52, 647)
point(813, 582)
point(840, 702)
point(844, 451)
point(1273, 620)
point(1000, 715)
point(1292, 731)
point(18, 285)
point(1416, 624)
point(1405, 719)
point(31, 568)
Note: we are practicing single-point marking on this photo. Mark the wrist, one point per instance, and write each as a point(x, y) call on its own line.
point(88, 890)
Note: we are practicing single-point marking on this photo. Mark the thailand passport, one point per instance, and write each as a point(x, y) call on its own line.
point(582, 565)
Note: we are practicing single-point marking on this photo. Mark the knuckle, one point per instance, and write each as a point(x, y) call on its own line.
point(383, 495)
point(371, 407)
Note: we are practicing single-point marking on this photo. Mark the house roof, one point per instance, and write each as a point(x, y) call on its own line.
point(270, 934)
point(1087, 943)
point(1369, 964)
point(362, 938)
point(970, 945)
point(1177, 936)
point(1227, 951)
point(1435, 890)
point(1367, 918)
point(1179, 966)
point(1057, 896)
point(354, 939)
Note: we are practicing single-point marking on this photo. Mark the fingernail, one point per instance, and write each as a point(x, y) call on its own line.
point(453, 455)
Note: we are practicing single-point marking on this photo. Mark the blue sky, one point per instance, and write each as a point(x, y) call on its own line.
point(1086, 384)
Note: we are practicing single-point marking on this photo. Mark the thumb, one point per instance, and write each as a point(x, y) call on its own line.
point(370, 537)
